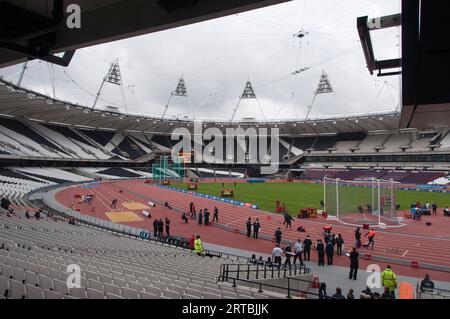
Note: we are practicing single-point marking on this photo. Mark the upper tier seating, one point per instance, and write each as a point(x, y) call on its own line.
point(445, 143)
point(371, 142)
point(395, 142)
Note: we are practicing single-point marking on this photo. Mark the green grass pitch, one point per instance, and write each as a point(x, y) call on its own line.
point(305, 195)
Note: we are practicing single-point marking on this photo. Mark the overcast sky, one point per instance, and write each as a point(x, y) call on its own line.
point(217, 57)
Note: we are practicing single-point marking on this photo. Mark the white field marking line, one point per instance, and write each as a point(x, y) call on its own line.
point(405, 253)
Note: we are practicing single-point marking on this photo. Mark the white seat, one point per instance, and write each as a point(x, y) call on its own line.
point(153, 290)
point(136, 286)
point(91, 275)
point(19, 274)
point(56, 274)
point(17, 290)
point(80, 293)
point(95, 294)
point(52, 294)
point(112, 289)
point(31, 278)
point(187, 296)
point(130, 293)
point(33, 292)
point(172, 294)
point(43, 270)
point(193, 292)
point(147, 295)
point(113, 296)
point(208, 295)
point(177, 289)
point(160, 285)
point(45, 282)
point(4, 286)
point(97, 285)
point(120, 282)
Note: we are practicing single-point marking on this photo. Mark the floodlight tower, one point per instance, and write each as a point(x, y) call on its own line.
point(323, 87)
point(114, 76)
point(179, 91)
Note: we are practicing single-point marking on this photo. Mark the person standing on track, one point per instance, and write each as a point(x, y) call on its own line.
point(330, 252)
point(256, 228)
point(434, 208)
point(307, 243)
point(200, 217)
point(155, 228)
point(276, 255)
point(298, 250)
point(320, 252)
point(207, 217)
point(167, 226)
point(371, 236)
point(339, 243)
point(160, 227)
point(288, 253)
point(249, 227)
point(357, 238)
point(114, 203)
point(216, 214)
point(277, 235)
point(354, 264)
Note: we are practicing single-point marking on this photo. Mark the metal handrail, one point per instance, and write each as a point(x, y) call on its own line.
point(289, 290)
point(434, 292)
point(275, 271)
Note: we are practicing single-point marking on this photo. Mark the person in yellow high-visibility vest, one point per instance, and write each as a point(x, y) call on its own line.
point(198, 246)
point(389, 279)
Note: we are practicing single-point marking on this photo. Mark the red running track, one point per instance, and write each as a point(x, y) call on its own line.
point(412, 242)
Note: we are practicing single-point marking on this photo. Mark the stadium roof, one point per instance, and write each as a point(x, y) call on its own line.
point(26, 104)
point(44, 32)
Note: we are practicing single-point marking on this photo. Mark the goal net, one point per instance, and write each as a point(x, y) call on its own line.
point(371, 201)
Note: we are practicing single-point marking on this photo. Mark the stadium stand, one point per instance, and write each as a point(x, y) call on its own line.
point(396, 141)
point(35, 255)
point(421, 177)
point(372, 142)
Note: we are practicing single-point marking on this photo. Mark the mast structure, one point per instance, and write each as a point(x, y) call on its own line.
point(180, 90)
point(324, 87)
point(247, 94)
point(114, 76)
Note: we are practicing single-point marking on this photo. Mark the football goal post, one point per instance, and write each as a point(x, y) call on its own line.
point(370, 200)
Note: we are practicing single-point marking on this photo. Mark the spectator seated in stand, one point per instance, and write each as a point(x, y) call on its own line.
point(260, 261)
point(269, 262)
point(37, 215)
point(426, 285)
point(366, 294)
point(338, 294)
point(252, 259)
point(27, 214)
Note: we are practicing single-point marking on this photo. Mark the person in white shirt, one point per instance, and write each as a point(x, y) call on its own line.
point(276, 255)
point(298, 250)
